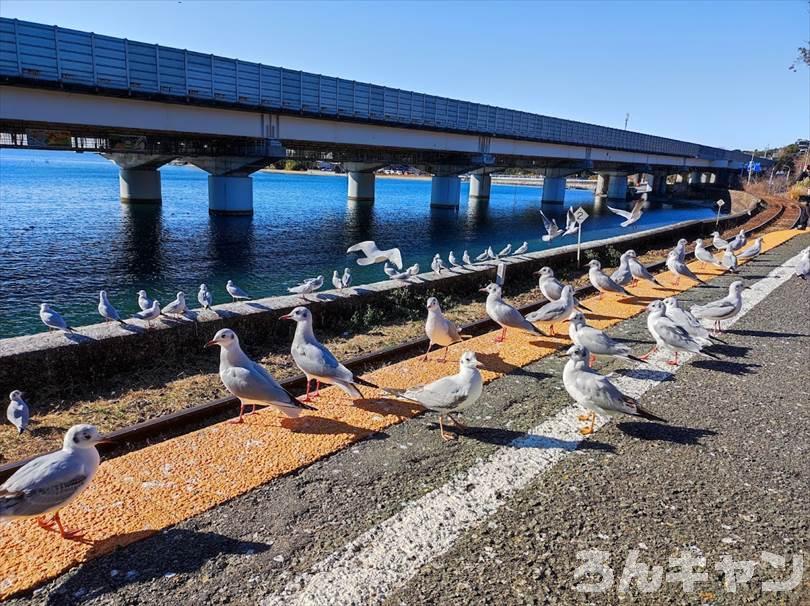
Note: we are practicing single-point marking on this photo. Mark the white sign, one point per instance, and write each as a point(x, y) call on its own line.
point(500, 278)
point(580, 215)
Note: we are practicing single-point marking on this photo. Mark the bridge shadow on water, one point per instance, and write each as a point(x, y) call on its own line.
point(162, 555)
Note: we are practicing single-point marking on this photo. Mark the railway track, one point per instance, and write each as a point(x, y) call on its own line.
point(142, 434)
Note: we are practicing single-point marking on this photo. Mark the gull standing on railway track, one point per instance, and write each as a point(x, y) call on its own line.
point(316, 361)
point(738, 242)
point(669, 335)
point(449, 395)
point(204, 297)
point(722, 309)
point(717, 241)
point(595, 393)
point(439, 330)
point(505, 315)
point(48, 483)
point(623, 276)
point(703, 255)
point(679, 269)
point(596, 341)
point(249, 381)
point(729, 261)
point(551, 287)
point(17, 412)
point(235, 292)
point(601, 281)
point(680, 248)
point(555, 311)
point(52, 319)
point(752, 251)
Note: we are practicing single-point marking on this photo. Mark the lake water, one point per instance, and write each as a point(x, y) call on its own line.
point(64, 235)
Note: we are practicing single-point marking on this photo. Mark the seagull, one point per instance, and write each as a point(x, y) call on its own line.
point(235, 292)
point(307, 286)
point(555, 311)
point(413, 270)
point(346, 279)
point(316, 361)
point(372, 254)
point(48, 483)
point(400, 275)
point(623, 276)
point(522, 249)
point(505, 315)
point(729, 260)
point(638, 270)
point(144, 302)
point(437, 265)
point(439, 330)
point(336, 281)
point(452, 259)
point(595, 341)
point(717, 241)
point(389, 271)
point(595, 393)
point(491, 255)
point(249, 381)
point(149, 314)
point(738, 242)
point(465, 258)
point(571, 225)
point(630, 217)
point(176, 307)
point(680, 249)
point(551, 287)
point(703, 255)
point(669, 335)
point(204, 296)
point(552, 231)
point(505, 251)
point(107, 311)
point(752, 251)
point(449, 395)
point(803, 266)
point(602, 281)
point(483, 256)
point(52, 319)
point(684, 319)
point(679, 269)
point(17, 412)
point(722, 309)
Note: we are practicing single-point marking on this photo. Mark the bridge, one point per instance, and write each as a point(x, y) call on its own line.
point(144, 105)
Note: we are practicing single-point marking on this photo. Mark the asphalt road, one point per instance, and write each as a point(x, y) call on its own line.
point(727, 475)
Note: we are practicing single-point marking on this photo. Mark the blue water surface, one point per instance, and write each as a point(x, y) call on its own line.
point(64, 235)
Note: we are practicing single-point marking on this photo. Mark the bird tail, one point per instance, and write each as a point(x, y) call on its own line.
point(295, 405)
point(350, 389)
point(398, 393)
point(646, 414)
point(362, 381)
point(636, 359)
point(711, 355)
point(579, 304)
point(717, 339)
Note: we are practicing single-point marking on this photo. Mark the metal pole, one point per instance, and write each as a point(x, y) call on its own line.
point(579, 242)
point(750, 168)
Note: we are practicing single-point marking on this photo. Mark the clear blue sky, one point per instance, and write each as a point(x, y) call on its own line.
point(710, 72)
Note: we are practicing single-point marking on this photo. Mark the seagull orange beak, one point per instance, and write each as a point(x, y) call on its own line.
point(482, 290)
point(285, 317)
point(210, 343)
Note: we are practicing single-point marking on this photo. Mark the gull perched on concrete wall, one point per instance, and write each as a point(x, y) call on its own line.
point(106, 310)
point(52, 319)
point(236, 292)
point(204, 297)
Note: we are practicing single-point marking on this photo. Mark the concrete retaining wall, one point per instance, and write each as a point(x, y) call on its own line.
point(101, 350)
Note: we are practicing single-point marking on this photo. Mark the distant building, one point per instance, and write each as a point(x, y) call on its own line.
point(803, 144)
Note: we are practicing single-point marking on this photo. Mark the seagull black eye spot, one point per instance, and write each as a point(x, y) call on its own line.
point(75, 439)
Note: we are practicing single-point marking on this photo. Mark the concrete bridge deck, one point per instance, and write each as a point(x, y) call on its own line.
point(722, 476)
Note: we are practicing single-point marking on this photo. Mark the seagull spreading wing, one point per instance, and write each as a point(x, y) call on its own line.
point(631, 216)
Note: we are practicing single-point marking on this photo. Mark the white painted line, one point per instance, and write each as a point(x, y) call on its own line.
point(384, 558)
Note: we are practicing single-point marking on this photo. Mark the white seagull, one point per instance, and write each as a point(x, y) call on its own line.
point(717, 241)
point(451, 258)
point(149, 314)
point(552, 231)
point(623, 276)
point(555, 311)
point(48, 483)
point(552, 288)
point(684, 319)
point(483, 256)
point(52, 319)
point(144, 302)
point(680, 248)
point(307, 286)
point(336, 281)
point(601, 281)
point(703, 255)
point(571, 225)
point(465, 258)
point(372, 254)
point(439, 330)
point(752, 251)
point(638, 270)
point(389, 271)
point(505, 251)
point(249, 381)
point(522, 249)
point(595, 341)
point(449, 395)
point(17, 412)
point(106, 310)
point(631, 216)
point(595, 393)
point(722, 309)
point(204, 297)
point(738, 242)
point(236, 292)
point(679, 269)
point(803, 266)
point(729, 260)
point(505, 315)
point(669, 335)
point(346, 279)
point(316, 361)
point(413, 270)
point(177, 307)
point(437, 265)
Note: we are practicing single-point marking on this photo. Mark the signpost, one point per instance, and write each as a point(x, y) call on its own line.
point(580, 215)
point(500, 277)
point(719, 206)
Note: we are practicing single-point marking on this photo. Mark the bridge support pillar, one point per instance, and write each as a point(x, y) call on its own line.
point(602, 181)
point(480, 187)
point(660, 184)
point(712, 178)
point(553, 190)
point(361, 180)
point(444, 191)
point(694, 178)
point(617, 188)
point(230, 195)
point(139, 186)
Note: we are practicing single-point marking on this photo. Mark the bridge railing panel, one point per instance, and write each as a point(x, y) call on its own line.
point(224, 71)
point(247, 83)
point(199, 76)
point(270, 86)
point(9, 60)
point(37, 47)
point(310, 91)
point(345, 98)
point(404, 106)
point(110, 59)
point(291, 89)
point(172, 71)
point(143, 73)
point(362, 100)
point(328, 95)
point(75, 51)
